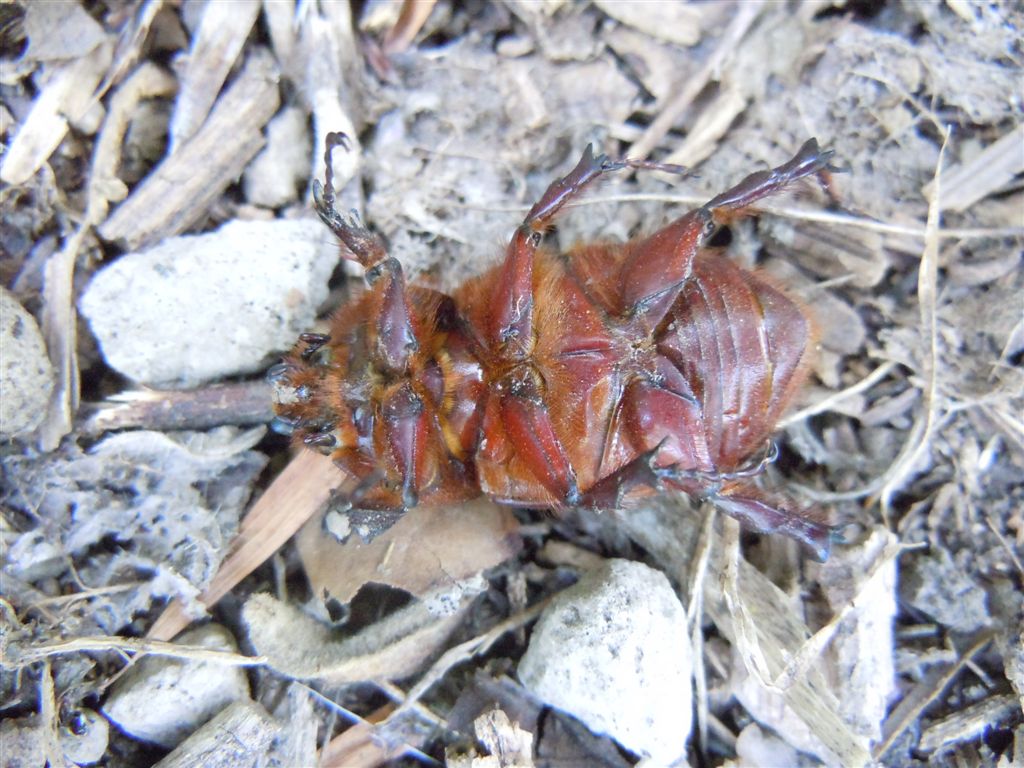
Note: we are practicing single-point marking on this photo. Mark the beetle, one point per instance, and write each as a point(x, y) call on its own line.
point(562, 379)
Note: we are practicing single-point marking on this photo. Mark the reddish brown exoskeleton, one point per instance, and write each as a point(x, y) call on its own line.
point(558, 380)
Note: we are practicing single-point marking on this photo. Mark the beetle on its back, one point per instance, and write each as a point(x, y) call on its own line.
point(558, 380)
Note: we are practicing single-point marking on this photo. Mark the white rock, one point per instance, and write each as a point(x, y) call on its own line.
point(200, 307)
point(613, 652)
point(26, 377)
point(162, 699)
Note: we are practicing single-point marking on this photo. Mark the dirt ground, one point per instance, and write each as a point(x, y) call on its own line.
point(131, 504)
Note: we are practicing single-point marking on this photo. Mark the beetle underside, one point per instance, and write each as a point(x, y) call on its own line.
point(553, 380)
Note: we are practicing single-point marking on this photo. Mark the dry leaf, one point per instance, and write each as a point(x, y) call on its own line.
point(426, 549)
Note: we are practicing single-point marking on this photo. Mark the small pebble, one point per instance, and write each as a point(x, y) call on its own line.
point(613, 651)
point(26, 377)
point(84, 738)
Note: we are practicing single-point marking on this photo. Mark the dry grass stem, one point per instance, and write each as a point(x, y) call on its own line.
point(745, 16)
point(467, 650)
point(987, 173)
point(923, 694)
point(22, 657)
point(828, 403)
point(927, 296)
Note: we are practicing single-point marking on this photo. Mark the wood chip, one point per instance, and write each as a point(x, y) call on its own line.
point(746, 15)
point(244, 403)
point(921, 695)
point(180, 190)
point(860, 585)
point(987, 173)
point(241, 733)
point(359, 746)
point(969, 723)
point(60, 31)
point(508, 745)
point(60, 329)
point(59, 315)
point(410, 21)
point(216, 45)
point(68, 94)
point(713, 123)
point(131, 42)
point(760, 621)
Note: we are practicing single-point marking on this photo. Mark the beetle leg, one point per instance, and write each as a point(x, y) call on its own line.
point(511, 331)
point(528, 425)
point(641, 472)
point(367, 521)
point(764, 514)
point(396, 338)
point(656, 268)
point(394, 332)
point(364, 246)
point(810, 160)
point(668, 415)
point(405, 425)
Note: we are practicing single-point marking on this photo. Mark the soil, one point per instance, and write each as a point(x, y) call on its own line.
point(908, 643)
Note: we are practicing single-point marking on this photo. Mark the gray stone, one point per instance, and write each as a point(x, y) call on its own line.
point(162, 699)
point(23, 740)
point(26, 377)
point(755, 746)
point(613, 651)
point(201, 307)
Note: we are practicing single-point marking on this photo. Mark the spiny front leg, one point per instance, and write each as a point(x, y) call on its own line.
point(394, 333)
point(364, 246)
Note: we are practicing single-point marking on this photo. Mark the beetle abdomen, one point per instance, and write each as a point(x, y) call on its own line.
point(740, 344)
